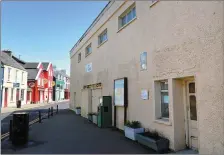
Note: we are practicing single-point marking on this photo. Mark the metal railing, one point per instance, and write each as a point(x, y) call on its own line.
point(38, 119)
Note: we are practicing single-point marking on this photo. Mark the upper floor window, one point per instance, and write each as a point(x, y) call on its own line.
point(88, 50)
point(79, 57)
point(22, 77)
point(102, 37)
point(127, 16)
point(9, 74)
point(16, 76)
point(22, 94)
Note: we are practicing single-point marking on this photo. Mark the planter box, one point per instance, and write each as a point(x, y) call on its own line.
point(78, 111)
point(90, 118)
point(131, 133)
point(94, 117)
point(161, 145)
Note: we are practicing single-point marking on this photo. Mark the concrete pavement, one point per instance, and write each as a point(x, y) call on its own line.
point(67, 133)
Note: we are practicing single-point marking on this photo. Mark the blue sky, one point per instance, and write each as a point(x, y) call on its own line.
point(46, 31)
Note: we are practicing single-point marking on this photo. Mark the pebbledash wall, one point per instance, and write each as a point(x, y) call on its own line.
point(184, 45)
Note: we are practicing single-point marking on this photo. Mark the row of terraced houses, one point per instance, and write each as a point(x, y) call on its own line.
point(31, 82)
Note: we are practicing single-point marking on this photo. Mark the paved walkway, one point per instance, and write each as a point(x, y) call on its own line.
point(67, 133)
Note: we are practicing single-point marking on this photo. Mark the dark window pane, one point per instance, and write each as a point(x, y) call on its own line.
point(133, 13)
point(129, 16)
point(165, 104)
point(164, 86)
point(193, 108)
point(191, 87)
point(123, 20)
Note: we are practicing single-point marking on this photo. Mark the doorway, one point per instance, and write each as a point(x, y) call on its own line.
point(191, 111)
point(96, 94)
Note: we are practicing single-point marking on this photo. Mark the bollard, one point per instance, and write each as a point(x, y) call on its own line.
point(51, 111)
point(57, 109)
point(48, 114)
point(39, 116)
point(10, 130)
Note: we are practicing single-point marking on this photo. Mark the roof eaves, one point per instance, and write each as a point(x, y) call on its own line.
point(91, 26)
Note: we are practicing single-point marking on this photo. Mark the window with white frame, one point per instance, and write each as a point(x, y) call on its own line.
point(9, 74)
point(16, 80)
point(127, 16)
point(88, 50)
point(164, 99)
point(102, 37)
point(22, 94)
point(161, 100)
point(22, 77)
point(42, 82)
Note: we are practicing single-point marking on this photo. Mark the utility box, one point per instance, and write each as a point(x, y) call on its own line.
point(104, 118)
point(20, 128)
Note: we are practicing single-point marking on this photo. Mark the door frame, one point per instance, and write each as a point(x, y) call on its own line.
point(187, 108)
point(6, 98)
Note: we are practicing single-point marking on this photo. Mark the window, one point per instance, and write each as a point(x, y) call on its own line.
point(88, 50)
point(16, 80)
point(164, 99)
point(79, 57)
point(38, 81)
point(22, 94)
point(22, 77)
point(9, 74)
point(102, 37)
point(127, 16)
point(42, 82)
point(153, 2)
point(11, 97)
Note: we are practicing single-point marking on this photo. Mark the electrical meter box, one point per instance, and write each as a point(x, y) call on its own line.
point(104, 119)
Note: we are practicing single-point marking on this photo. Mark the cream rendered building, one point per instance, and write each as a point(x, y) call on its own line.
point(183, 73)
point(14, 81)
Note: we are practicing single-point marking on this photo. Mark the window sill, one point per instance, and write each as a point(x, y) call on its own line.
point(102, 43)
point(151, 5)
point(126, 24)
point(163, 121)
point(87, 55)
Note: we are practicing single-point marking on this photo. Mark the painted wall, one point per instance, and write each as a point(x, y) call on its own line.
point(12, 91)
point(182, 39)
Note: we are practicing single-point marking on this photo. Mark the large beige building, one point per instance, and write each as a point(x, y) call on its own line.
point(172, 55)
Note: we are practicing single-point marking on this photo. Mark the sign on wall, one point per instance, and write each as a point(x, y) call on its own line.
point(145, 94)
point(88, 67)
point(121, 92)
point(31, 84)
point(143, 60)
point(16, 85)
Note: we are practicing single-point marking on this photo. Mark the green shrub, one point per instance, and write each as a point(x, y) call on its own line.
point(133, 124)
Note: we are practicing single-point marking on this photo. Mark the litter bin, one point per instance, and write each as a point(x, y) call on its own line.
point(20, 128)
point(18, 104)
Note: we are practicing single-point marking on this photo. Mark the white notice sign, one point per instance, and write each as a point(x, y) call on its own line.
point(88, 67)
point(145, 94)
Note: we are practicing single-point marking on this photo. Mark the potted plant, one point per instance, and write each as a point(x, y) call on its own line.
point(153, 140)
point(131, 128)
point(90, 117)
point(94, 117)
point(78, 110)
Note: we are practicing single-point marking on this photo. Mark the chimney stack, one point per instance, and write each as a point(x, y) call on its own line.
point(8, 52)
point(63, 71)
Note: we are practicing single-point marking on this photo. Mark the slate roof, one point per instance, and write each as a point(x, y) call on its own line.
point(31, 65)
point(59, 72)
point(6, 59)
point(32, 73)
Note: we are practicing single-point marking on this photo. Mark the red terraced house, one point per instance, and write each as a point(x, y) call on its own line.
point(48, 80)
point(35, 81)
